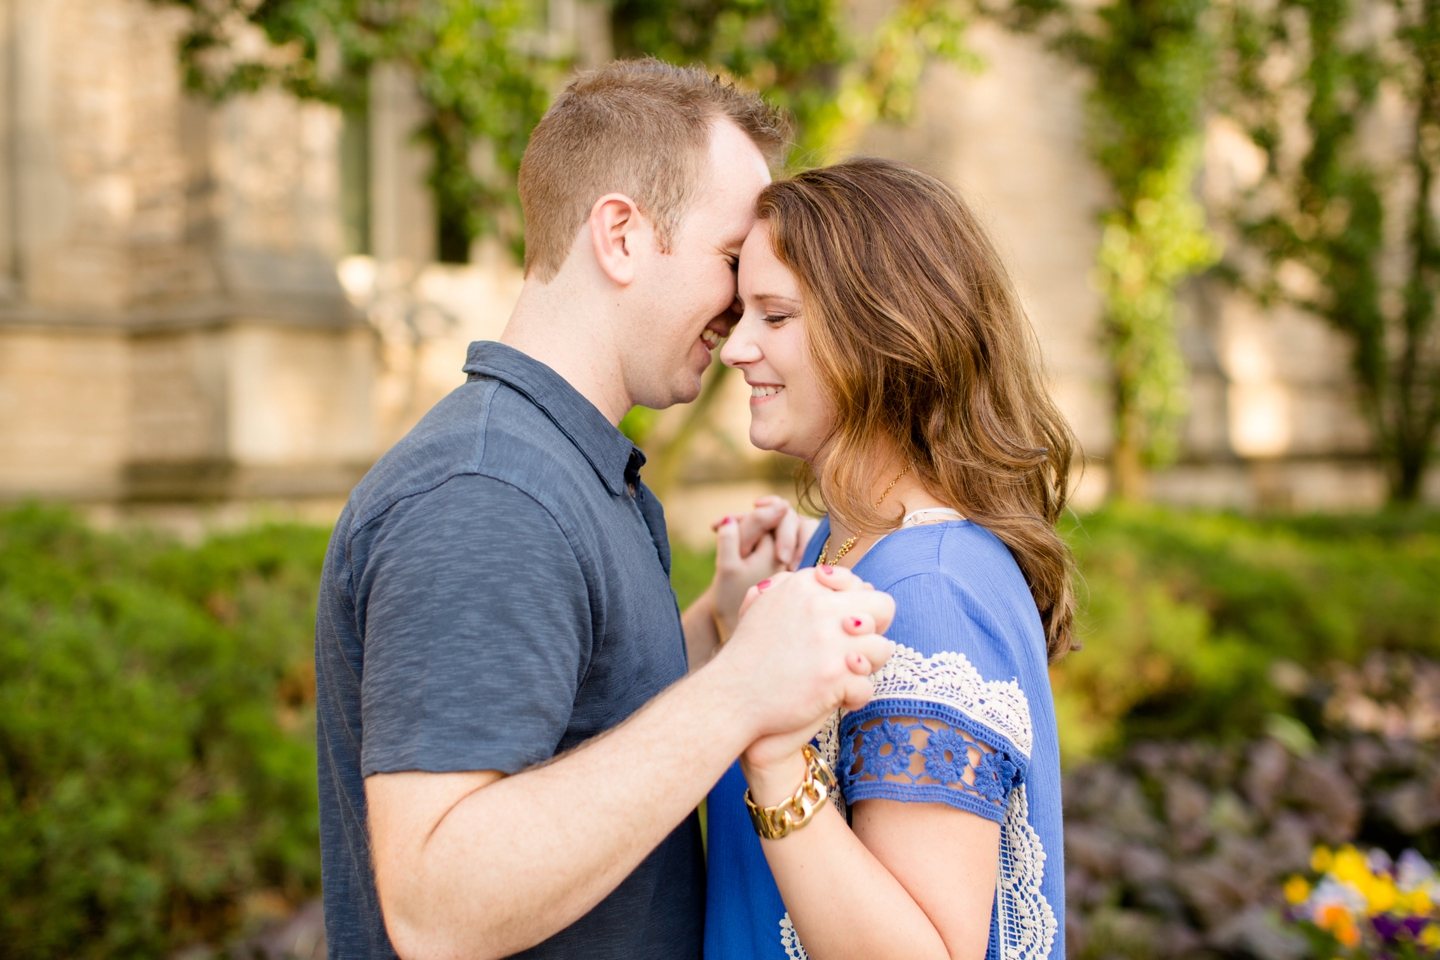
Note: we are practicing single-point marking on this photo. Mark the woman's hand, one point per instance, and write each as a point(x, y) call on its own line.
point(753, 547)
point(774, 761)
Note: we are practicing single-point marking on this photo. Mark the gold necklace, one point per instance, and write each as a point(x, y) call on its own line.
point(845, 547)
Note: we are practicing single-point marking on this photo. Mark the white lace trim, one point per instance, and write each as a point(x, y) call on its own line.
point(1027, 923)
point(790, 940)
point(828, 742)
point(951, 679)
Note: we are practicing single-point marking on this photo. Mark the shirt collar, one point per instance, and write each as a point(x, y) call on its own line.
point(609, 451)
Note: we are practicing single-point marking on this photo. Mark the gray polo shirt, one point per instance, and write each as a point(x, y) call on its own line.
point(496, 592)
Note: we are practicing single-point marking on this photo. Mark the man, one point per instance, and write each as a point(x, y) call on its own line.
point(496, 592)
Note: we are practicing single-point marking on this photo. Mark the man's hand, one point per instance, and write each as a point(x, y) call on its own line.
point(805, 647)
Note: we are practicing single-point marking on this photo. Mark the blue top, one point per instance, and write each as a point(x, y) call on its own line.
point(962, 715)
point(497, 591)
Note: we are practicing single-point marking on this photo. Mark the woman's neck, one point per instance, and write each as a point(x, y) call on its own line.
point(905, 497)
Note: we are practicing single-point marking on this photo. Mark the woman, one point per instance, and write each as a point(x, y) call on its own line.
point(886, 347)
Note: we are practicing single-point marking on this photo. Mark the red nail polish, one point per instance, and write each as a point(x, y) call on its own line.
point(856, 622)
point(826, 569)
point(762, 584)
point(727, 520)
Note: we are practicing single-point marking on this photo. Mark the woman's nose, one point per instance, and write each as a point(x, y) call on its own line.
point(739, 349)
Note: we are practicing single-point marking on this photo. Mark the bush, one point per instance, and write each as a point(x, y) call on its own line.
point(1208, 625)
point(157, 760)
point(1181, 849)
point(1204, 625)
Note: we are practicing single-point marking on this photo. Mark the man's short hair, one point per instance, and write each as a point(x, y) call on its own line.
point(637, 127)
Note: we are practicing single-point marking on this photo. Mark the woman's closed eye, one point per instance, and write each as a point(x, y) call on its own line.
point(779, 318)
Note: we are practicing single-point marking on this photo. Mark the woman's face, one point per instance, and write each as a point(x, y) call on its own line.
point(789, 412)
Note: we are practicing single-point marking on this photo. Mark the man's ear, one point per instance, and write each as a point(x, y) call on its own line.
point(616, 226)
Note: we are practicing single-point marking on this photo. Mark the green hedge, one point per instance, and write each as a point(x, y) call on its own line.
point(157, 760)
point(157, 772)
point(1205, 625)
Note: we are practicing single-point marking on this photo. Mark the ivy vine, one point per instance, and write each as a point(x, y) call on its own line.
point(1322, 222)
point(486, 71)
point(1150, 63)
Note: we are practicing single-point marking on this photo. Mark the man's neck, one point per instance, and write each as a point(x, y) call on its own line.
point(576, 343)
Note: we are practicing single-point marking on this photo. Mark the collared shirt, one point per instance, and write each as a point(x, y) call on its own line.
point(496, 592)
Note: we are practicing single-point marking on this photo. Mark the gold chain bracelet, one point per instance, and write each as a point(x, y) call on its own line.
point(791, 814)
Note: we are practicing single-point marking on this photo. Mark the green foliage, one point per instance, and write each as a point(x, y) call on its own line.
point(803, 55)
point(487, 70)
point(157, 760)
point(1149, 246)
point(485, 92)
point(690, 572)
point(638, 424)
point(1150, 63)
point(1322, 221)
point(1185, 616)
point(483, 72)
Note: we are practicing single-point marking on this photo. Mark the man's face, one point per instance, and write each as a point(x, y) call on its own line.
point(690, 292)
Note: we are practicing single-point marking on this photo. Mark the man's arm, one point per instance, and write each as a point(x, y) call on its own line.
point(475, 865)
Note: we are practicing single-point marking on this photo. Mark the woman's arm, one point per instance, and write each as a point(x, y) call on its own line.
point(702, 635)
point(748, 548)
point(912, 880)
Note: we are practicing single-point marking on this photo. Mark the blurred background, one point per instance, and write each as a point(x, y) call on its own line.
point(244, 243)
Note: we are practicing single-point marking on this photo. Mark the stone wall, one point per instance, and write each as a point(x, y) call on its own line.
point(171, 325)
point(172, 329)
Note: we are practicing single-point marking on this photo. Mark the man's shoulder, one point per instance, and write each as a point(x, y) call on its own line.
point(482, 429)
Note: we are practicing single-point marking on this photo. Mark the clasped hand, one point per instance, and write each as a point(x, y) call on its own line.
point(756, 553)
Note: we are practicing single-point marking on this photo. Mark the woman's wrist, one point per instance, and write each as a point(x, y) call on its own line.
point(775, 780)
point(722, 628)
point(724, 625)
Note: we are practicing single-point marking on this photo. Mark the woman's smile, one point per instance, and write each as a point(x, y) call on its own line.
point(762, 392)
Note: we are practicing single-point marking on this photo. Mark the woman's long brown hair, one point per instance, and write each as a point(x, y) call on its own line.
point(921, 342)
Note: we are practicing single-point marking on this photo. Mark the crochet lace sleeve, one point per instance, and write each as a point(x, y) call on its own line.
point(936, 731)
point(925, 756)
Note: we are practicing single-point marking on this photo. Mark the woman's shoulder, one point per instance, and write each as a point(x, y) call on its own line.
point(958, 591)
point(949, 562)
point(959, 549)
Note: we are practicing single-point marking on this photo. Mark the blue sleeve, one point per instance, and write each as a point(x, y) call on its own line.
point(475, 618)
point(949, 722)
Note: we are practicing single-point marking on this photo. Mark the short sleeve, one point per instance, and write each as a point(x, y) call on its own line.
point(949, 722)
point(475, 620)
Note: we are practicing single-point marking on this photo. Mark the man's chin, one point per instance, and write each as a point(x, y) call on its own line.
point(684, 392)
point(690, 393)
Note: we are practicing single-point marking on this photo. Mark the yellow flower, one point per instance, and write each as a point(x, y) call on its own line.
point(1349, 866)
point(1420, 904)
point(1296, 889)
point(1381, 895)
point(1321, 859)
point(1430, 936)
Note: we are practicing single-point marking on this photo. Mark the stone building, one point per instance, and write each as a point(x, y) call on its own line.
point(207, 310)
